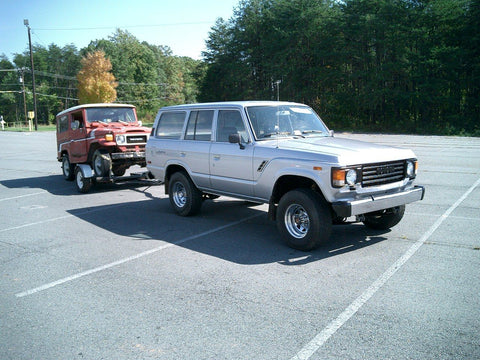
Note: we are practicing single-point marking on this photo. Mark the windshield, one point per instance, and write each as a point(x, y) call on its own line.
point(285, 120)
point(108, 115)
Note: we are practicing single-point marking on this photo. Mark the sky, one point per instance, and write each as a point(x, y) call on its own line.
point(182, 25)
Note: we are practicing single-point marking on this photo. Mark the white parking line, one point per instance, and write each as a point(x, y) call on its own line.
point(22, 196)
point(321, 338)
point(58, 218)
point(130, 258)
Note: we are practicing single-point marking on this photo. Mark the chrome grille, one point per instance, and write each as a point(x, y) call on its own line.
point(383, 173)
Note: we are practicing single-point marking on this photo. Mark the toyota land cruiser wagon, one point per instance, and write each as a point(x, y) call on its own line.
point(282, 154)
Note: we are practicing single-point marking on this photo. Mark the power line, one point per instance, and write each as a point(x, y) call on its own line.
point(123, 27)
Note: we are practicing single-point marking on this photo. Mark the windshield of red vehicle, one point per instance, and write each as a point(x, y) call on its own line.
point(108, 115)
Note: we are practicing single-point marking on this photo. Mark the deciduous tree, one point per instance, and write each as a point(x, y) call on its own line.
point(96, 84)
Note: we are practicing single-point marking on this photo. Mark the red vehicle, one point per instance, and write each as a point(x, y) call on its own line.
point(99, 142)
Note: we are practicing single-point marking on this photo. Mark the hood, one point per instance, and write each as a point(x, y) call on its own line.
point(347, 151)
point(120, 127)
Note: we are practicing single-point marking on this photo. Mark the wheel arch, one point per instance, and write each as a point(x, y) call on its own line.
point(169, 171)
point(286, 183)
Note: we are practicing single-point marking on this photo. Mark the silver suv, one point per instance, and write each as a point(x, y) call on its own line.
point(280, 153)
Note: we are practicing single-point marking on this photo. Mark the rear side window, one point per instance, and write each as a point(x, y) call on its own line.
point(200, 125)
point(170, 125)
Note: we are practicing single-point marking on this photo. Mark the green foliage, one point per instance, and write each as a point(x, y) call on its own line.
point(376, 65)
point(148, 76)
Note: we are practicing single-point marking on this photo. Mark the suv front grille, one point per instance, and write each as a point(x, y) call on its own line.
point(136, 139)
point(383, 173)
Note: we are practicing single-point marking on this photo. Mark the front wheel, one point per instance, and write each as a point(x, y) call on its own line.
point(304, 219)
point(101, 163)
point(184, 196)
point(384, 219)
point(83, 184)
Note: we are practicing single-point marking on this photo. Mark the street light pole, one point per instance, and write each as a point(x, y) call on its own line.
point(25, 22)
point(277, 83)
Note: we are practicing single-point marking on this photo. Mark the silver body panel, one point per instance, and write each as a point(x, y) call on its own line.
point(251, 171)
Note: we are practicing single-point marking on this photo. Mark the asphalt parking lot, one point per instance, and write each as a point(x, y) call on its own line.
point(115, 274)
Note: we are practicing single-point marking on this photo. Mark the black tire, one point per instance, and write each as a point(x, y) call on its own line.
point(101, 163)
point(304, 219)
point(385, 219)
point(184, 196)
point(83, 184)
point(67, 168)
point(119, 170)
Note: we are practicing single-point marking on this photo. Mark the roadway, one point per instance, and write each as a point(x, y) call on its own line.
point(115, 274)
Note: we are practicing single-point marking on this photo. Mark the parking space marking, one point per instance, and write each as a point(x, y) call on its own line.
point(131, 258)
point(22, 196)
point(321, 338)
point(57, 218)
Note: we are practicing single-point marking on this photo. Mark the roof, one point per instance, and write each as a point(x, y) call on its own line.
point(238, 104)
point(84, 106)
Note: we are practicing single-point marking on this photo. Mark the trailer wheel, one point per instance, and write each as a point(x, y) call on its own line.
point(83, 184)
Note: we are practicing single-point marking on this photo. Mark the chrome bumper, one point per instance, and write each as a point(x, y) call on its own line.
point(129, 155)
point(378, 202)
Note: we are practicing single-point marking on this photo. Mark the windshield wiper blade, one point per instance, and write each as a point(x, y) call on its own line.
point(312, 132)
point(276, 133)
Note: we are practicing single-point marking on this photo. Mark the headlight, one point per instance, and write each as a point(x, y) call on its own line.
point(109, 137)
point(411, 168)
point(342, 177)
point(351, 177)
point(120, 139)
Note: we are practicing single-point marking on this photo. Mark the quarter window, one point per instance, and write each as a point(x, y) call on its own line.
point(170, 125)
point(200, 125)
point(63, 124)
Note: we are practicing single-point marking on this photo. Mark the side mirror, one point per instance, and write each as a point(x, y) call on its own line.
point(236, 139)
point(332, 133)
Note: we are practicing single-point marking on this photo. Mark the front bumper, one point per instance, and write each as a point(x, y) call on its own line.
point(140, 155)
point(378, 202)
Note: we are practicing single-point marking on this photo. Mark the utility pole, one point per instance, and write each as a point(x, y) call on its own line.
point(25, 22)
point(22, 80)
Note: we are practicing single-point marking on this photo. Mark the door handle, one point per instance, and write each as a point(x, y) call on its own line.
point(216, 157)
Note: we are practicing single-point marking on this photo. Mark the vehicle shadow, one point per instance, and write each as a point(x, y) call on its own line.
point(57, 185)
point(231, 230)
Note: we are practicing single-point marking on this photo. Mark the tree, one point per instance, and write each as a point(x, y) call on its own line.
point(96, 84)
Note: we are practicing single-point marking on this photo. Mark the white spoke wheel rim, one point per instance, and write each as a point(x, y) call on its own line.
point(80, 179)
point(179, 194)
point(297, 221)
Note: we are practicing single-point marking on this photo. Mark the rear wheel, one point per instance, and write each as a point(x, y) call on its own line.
point(385, 219)
point(184, 196)
point(304, 219)
point(67, 168)
point(83, 184)
point(101, 163)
